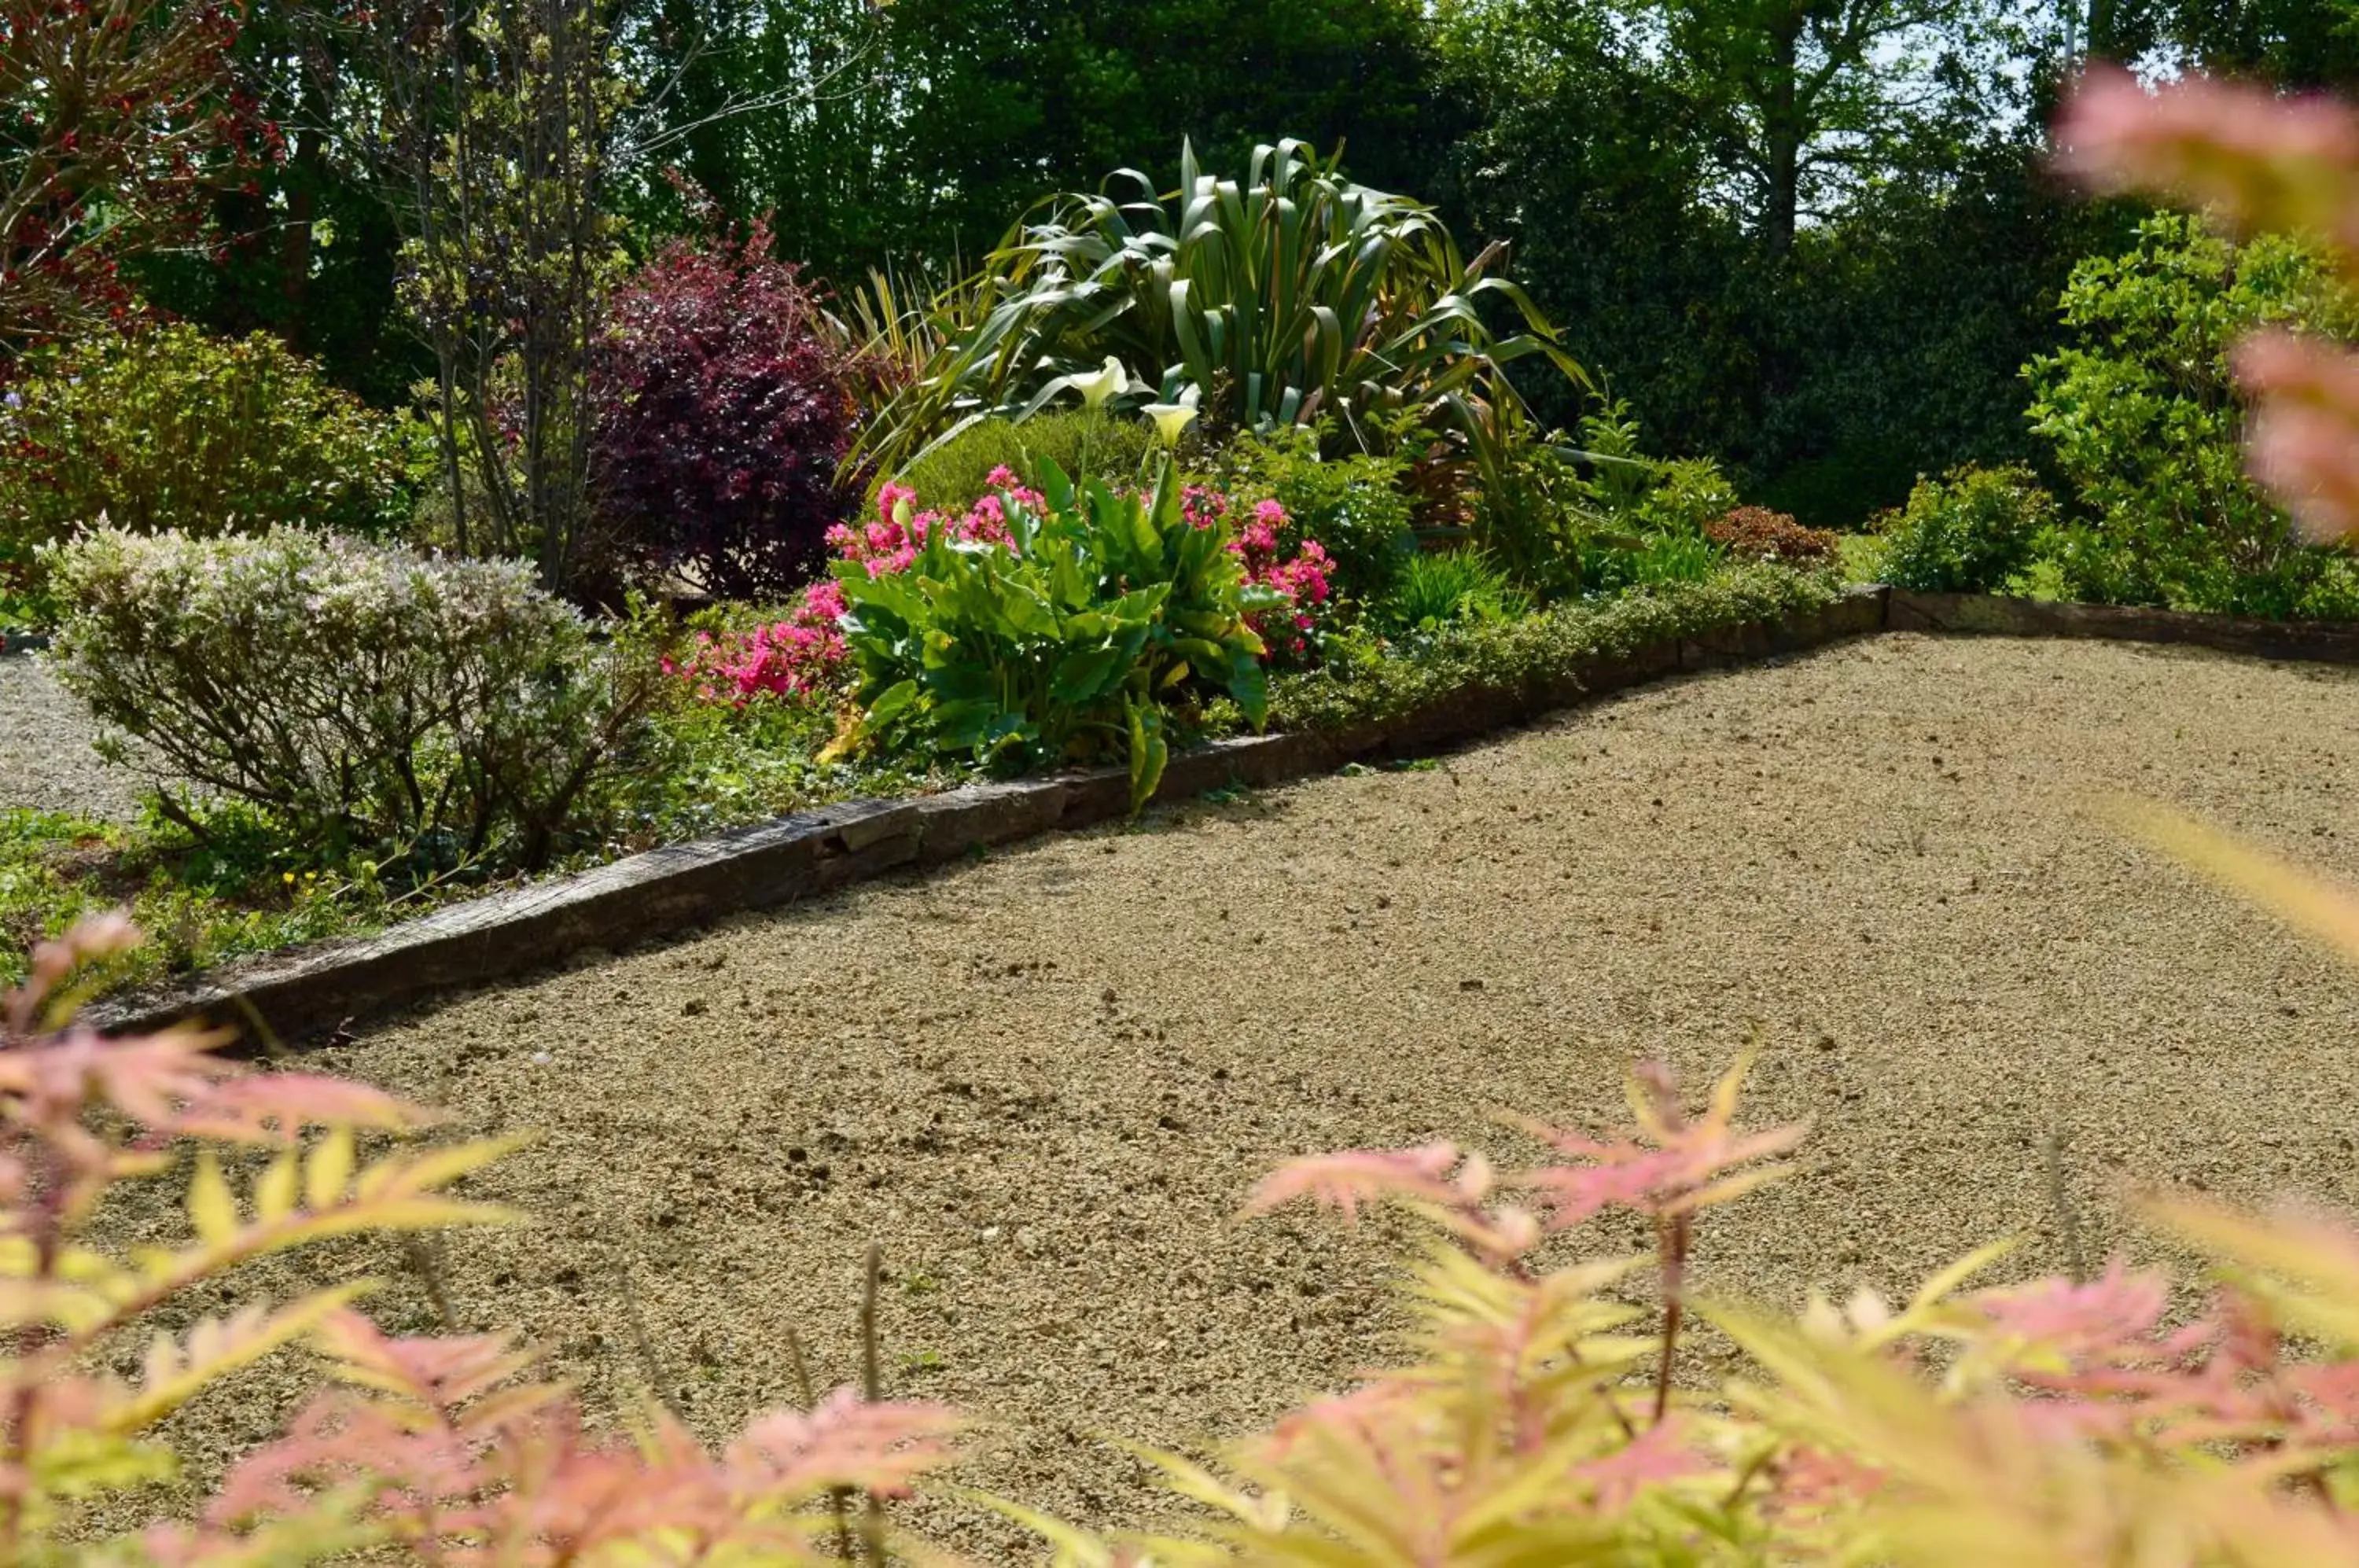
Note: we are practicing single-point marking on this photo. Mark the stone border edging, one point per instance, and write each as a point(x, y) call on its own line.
point(1994, 616)
point(307, 992)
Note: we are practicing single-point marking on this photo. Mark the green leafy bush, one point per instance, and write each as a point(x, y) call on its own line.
point(1606, 517)
point(437, 713)
point(1354, 505)
point(162, 427)
point(1967, 532)
point(1063, 643)
point(1436, 589)
point(2147, 423)
point(1364, 679)
point(1684, 496)
point(1287, 296)
point(1085, 443)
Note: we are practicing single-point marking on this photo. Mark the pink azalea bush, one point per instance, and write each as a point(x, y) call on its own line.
point(804, 655)
point(1261, 542)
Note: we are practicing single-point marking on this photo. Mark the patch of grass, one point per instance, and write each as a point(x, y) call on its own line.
point(197, 908)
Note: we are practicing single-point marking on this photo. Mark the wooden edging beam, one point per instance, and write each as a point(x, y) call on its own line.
point(296, 996)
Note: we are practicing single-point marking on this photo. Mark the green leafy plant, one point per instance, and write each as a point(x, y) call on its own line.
point(1967, 532)
point(1363, 678)
point(1086, 443)
point(1063, 644)
point(162, 427)
point(437, 713)
point(1436, 589)
point(2147, 424)
point(1283, 298)
point(1353, 504)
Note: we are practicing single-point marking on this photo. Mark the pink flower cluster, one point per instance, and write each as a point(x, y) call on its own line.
point(805, 653)
point(1258, 544)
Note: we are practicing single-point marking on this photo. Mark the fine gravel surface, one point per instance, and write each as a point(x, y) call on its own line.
point(1044, 1081)
point(46, 762)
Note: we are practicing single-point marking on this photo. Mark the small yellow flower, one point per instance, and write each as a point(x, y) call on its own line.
point(288, 876)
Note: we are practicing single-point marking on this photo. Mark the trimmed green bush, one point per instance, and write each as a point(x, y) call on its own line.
point(435, 712)
point(1085, 444)
point(1967, 532)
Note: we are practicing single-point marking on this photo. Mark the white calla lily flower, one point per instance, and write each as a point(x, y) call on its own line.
point(1110, 381)
point(1170, 419)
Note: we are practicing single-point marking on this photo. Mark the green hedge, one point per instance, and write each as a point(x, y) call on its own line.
point(1366, 680)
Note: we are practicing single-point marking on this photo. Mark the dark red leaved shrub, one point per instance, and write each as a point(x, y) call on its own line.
point(1756, 533)
point(721, 415)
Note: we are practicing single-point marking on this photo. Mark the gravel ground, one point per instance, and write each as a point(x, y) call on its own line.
point(1043, 1082)
point(46, 762)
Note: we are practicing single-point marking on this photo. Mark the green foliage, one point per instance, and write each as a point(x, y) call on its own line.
point(1533, 519)
point(1287, 297)
point(1967, 532)
point(1364, 679)
point(1686, 496)
point(1353, 504)
point(1604, 516)
point(2147, 424)
point(439, 715)
point(1435, 589)
point(162, 427)
point(709, 766)
point(1085, 443)
point(1063, 646)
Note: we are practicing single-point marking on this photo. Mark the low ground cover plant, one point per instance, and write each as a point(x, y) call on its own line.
point(430, 713)
point(1365, 677)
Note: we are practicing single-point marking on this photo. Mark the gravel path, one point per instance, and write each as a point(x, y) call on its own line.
point(1044, 1081)
point(46, 762)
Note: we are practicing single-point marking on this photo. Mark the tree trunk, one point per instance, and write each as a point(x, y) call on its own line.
point(1783, 134)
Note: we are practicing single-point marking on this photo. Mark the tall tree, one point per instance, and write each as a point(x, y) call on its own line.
point(1817, 99)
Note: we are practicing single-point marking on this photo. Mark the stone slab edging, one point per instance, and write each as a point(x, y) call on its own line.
point(1990, 615)
point(291, 998)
